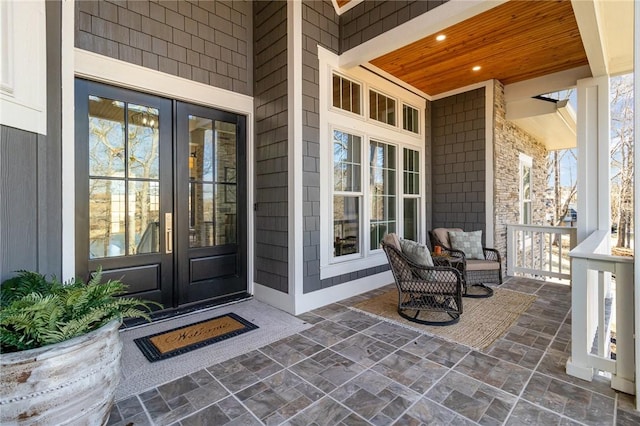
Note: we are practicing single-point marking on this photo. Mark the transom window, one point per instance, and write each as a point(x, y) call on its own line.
point(346, 94)
point(382, 108)
point(410, 119)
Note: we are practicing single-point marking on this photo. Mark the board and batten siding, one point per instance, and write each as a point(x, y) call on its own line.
point(204, 41)
point(31, 178)
point(458, 161)
point(271, 145)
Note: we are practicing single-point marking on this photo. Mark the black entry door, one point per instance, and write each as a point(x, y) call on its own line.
point(210, 203)
point(160, 195)
point(124, 189)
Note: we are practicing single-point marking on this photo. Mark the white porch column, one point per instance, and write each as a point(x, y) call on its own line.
point(636, 213)
point(594, 204)
point(594, 211)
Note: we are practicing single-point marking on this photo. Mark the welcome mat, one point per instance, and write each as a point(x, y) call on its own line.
point(481, 323)
point(184, 339)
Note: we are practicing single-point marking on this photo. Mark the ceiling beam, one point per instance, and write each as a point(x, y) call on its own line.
point(589, 24)
point(546, 84)
point(441, 17)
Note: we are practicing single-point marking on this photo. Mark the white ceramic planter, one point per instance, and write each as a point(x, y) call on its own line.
point(71, 382)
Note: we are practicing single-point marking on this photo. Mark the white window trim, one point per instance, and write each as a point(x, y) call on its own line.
point(524, 161)
point(333, 118)
point(23, 73)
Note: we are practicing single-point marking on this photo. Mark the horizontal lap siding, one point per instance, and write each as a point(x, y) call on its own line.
point(271, 145)
point(203, 41)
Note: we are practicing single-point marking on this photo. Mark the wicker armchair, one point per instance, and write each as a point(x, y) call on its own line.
point(476, 272)
point(426, 295)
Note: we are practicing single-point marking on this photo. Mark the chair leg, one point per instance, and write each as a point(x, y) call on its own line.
point(484, 291)
point(455, 317)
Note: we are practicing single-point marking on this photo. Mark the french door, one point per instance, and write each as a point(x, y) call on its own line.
point(160, 195)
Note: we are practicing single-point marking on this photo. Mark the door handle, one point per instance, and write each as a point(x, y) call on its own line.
point(168, 233)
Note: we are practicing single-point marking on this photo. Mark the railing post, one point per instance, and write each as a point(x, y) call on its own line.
point(577, 364)
point(623, 379)
point(511, 250)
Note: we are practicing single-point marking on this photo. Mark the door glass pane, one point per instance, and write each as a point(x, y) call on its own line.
point(106, 218)
point(123, 178)
point(106, 137)
point(226, 183)
point(143, 137)
point(144, 217)
point(212, 182)
point(201, 214)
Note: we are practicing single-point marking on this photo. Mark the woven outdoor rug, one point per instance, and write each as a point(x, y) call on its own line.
point(481, 323)
point(187, 338)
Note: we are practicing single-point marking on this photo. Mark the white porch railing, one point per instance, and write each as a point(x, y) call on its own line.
point(592, 269)
point(540, 250)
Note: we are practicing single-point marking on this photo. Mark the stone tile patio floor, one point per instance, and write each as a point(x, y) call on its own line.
point(352, 369)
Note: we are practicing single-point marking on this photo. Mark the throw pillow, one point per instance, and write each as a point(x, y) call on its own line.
point(416, 252)
point(393, 240)
point(468, 242)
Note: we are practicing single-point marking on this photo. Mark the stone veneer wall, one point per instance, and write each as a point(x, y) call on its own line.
point(509, 142)
point(458, 161)
point(372, 18)
point(204, 41)
point(271, 145)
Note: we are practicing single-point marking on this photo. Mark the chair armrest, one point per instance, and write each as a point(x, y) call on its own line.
point(453, 252)
point(491, 254)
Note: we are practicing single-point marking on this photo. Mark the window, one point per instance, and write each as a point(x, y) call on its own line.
point(371, 180)
point(411, 199)
point(347, 190)
point(382, 108)
point(410, 119)
point(382, 190)
point(346, 94)
point(526, 164)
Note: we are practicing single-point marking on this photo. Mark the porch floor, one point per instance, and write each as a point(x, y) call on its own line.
point(352, 369)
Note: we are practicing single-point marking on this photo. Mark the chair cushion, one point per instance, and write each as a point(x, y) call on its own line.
point(416, 252)
point(482, 265)
point(393, 240)
point(468, 242)
point(442, 235)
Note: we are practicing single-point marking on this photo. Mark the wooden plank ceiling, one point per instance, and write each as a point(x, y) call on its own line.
point(515, 41)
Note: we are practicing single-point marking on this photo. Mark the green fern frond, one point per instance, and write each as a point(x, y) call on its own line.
point(36, 312)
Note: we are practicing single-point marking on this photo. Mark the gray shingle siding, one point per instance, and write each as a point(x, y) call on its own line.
point(204, 41)
point(372, 18)
point(320, 26)
point(458, 161)
point(271, 145)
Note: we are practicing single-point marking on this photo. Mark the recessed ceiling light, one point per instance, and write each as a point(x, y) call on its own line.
point(441, 37)
point(476, 68)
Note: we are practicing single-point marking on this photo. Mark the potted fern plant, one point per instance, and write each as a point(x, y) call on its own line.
point(60, 348)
